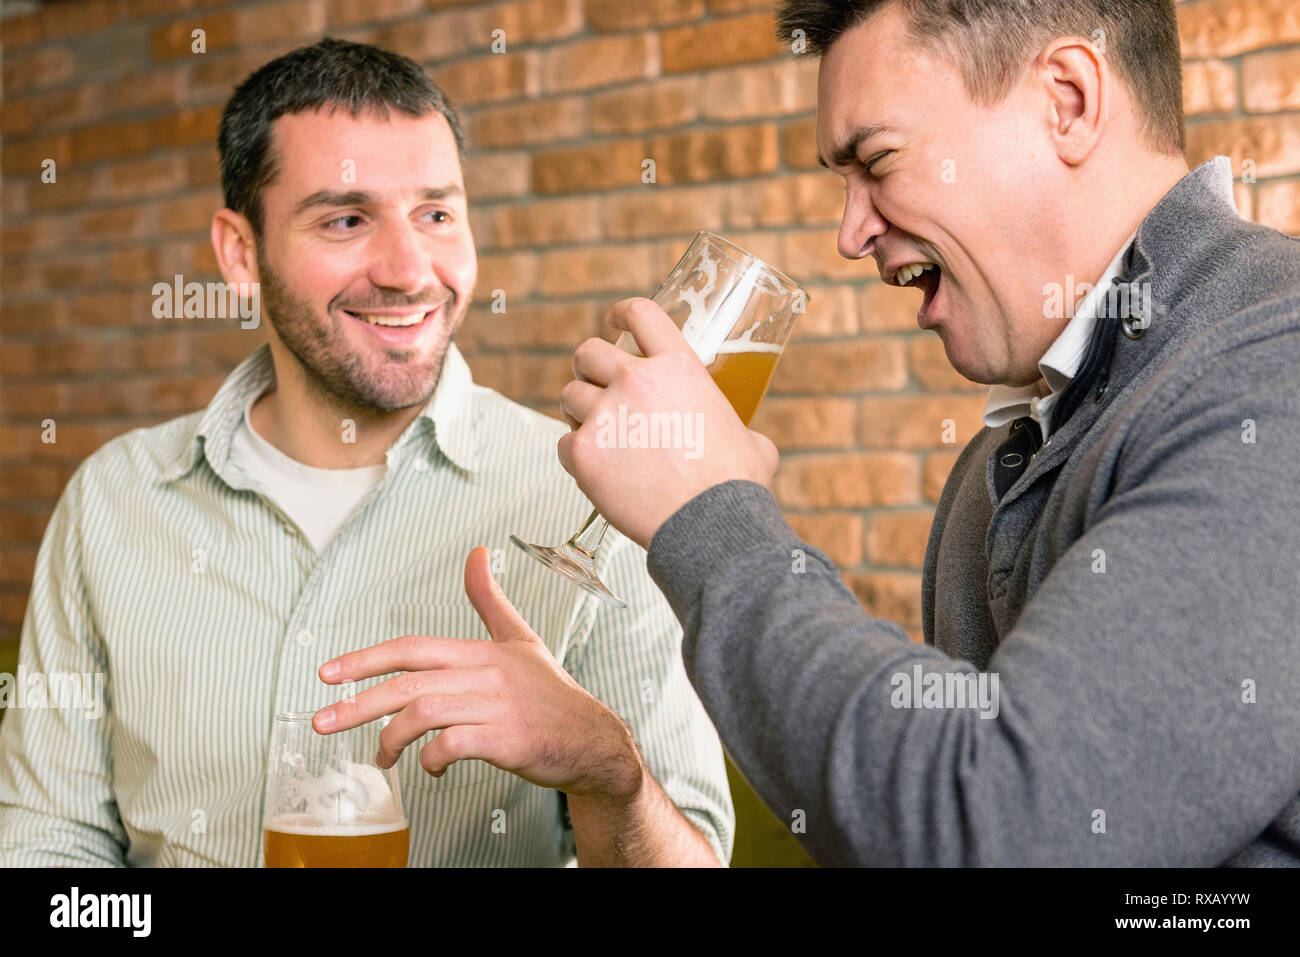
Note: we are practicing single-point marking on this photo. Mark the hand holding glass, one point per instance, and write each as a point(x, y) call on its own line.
point(737, 313)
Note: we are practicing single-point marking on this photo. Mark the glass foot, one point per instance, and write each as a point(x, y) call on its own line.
point(573, 564)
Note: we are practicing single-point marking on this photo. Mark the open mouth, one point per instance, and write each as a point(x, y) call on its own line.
point(925, 276)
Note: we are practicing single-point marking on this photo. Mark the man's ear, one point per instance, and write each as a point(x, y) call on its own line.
point(1078, 83)
point(236, 249)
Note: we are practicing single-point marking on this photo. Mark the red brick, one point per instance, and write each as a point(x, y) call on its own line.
point(593, 63)
point(888, 308)
point(492, 175)
point(276, 22)
point(16, 116)
point(596, 269)
point(855, 365)
point(44, 481)
point(848, 480)
point(664, 211)
point(494, 76)
point(67, 19)
point(438, 36)
point(671, 101)
point(37, 400)
point(189, 213)
point(806, 199)
point(523, 377)
point(720, 42)
point(346, 13)
point(33, 71)
point(831, 311)
point(893, 596)
point(105, 140)
point(1279, 205)
point(600, 166)
point(20, 525)
point(536, 21)
point(822, 423)
point(74, 105)
point(732, 6)
point(138, 178)
point(1209, 86)
point(176, 39)
point(609, 15)
point(1271, 81)
point(533, 123)
point(26, 156)
point(727, 153)
point(528, 326)
point(546, 222)
point(515, 273)
point(1228, 27)
point(1243, 196)
point(814, 254)
point(899, 538)
point(767, 89)
point(905, 422)
point(1272, 142)
point(838, 535)
point(21, 30)
point(799, 144)
point(187, 127)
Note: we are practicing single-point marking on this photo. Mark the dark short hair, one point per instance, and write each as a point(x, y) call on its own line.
point(991, 42)
point(340, 74)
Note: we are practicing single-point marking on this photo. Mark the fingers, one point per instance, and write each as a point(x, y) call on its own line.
point(652, 328)
point(407, 653)
point(597, 361)
point(577, 399)
point(427, 713)
point(394, 694)
point(455, 744)
point(503, 622)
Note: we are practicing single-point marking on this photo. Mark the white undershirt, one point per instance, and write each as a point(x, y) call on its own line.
point(319, 501)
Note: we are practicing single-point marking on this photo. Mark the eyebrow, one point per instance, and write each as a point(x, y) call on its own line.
point(358, 197)
point(843, 154)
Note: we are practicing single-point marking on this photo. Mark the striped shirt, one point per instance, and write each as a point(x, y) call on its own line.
point(207, 612)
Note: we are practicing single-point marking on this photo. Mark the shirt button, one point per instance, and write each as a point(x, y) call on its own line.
point(305, 638)
point(421, 465)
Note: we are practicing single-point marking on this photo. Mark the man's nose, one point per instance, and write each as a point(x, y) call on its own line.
point(861, 224)
point(402, 258)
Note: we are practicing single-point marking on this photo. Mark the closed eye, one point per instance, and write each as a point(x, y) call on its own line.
point(874, 160)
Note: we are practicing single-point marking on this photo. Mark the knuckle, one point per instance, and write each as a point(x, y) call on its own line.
point(410, 684)
point(408, 645)
point(428, 707)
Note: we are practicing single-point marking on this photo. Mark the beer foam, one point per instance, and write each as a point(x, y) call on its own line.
point(348, 796)
point(307, 825)
point(735, 346)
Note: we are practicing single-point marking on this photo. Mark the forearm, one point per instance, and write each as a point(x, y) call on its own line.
point(644, 830)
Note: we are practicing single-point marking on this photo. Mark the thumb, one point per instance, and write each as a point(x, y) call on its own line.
point(503, 622)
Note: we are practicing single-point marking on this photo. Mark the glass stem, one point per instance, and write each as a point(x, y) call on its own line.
point(588, 538)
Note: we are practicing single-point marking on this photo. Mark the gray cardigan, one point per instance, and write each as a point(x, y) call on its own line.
point(1133, 586)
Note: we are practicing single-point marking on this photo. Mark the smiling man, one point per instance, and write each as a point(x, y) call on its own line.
point(1109, 671)
point(307, 534)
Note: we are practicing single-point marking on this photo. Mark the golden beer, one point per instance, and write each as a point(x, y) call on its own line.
point(290, 844)
point(743, 376)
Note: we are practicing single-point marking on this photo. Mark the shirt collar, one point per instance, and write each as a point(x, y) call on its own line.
point(445, 417)
point(1060, 363)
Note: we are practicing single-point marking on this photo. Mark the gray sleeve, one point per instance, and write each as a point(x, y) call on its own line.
point(632, 662)
point(1146, 715)
point(57, 806)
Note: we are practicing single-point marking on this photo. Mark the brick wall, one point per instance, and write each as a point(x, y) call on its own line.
point(559, 125)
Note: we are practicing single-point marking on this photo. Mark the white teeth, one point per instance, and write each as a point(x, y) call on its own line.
point(410, 320)
point(906, 274)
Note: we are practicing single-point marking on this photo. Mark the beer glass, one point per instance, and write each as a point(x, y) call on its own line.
point(327, 803)
point(737, 313)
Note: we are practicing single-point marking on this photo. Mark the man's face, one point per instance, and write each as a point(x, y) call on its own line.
point(366, 224)
point(975, 190)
